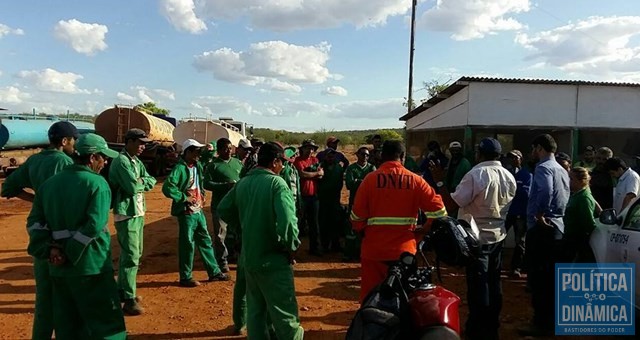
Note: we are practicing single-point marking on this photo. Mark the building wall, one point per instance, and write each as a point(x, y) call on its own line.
point(609, 107)
point(522, 104)
point(451, 112)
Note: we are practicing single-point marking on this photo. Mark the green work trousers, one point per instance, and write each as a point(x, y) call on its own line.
point(87, 307)
point(271, 295)
point(240, 299)
point(193, 233)
point(130, 235)
point(43, 316)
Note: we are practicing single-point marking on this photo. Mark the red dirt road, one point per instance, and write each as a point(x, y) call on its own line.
point(327, 290)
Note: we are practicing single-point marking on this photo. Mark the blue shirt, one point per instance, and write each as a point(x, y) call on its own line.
point(549, 193)
point(520, 201)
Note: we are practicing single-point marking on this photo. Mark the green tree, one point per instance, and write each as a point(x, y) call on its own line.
point(152, 108)
point(433, 87)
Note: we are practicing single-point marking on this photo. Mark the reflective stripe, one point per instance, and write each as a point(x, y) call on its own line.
point(37, 226)
point(61, 234)
point(82, 238)
point(65, 233)
point(355, 217)
point(392, 220)
point(435, 214)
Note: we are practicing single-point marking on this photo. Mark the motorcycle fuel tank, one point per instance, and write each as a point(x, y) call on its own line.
point(435, 306)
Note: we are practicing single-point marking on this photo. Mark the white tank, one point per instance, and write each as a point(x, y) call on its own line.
point(205, 131)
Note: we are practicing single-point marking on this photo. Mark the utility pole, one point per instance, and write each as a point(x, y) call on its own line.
point(414, 3)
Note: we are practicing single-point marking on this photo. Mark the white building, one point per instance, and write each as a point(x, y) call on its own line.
point(576, 113)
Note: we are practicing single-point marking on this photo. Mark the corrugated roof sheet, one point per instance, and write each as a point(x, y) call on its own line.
point(464, 81)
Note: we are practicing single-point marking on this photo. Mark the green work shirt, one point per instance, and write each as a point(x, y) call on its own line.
point(217, 176)
point(330, 185)
point(175, 186)
point(454, 177)
point(579, 216)
point(71, 210)
point(262, 204)
point(37, 169)
point(411, 164)
point(129, 179)
point(354, 176)
point(291, 176)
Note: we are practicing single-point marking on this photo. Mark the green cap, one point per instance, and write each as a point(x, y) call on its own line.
point(90, 143)
point(290, 152)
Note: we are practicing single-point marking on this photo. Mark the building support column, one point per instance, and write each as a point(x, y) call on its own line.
point(469, 148)
point(575, 144)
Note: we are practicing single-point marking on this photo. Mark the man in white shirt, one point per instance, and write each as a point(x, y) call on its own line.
point(485, 193)
point(628, 186)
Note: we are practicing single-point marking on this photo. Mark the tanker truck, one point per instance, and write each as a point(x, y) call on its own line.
point(206, 130)
point(22, 136)
point(160, 155)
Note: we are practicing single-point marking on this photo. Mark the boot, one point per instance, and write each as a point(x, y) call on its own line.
point(131, 307)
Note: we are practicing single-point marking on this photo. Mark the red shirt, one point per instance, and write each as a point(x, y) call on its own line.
point(309, 187)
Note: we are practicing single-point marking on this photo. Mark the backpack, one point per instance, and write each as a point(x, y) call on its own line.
point(381, 317)
point(453, 241)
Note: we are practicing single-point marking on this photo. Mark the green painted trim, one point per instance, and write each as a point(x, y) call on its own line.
point(575, 145)
point(468, 151)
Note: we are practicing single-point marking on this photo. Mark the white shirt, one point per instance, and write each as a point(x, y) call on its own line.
point(485, 193)
point(628, 183)
point(139, 199)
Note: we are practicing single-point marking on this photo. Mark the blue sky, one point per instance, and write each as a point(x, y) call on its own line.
point(299, 65)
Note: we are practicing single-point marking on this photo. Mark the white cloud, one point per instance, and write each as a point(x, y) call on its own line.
point(82, 37)
point(125, 97)
point(51, 80)
point(180, 13)
point(219, 106)
point(291, 15)
point(275, 64)
point(335, 91)
point(282, 15)
point(473, 19)
point(12, 95)
point(6, 30)
point(144, 95)
point(597, 47)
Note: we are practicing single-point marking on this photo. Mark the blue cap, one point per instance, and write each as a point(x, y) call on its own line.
point(490, 145)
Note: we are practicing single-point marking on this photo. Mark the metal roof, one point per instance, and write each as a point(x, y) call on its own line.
point(465, 81)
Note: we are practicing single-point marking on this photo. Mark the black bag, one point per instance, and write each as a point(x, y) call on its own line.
point(453, 241)
point(381, 317)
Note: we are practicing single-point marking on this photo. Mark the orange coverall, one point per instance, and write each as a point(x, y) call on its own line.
point(386, 209)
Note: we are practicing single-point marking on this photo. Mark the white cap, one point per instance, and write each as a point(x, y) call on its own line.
point(245, 144)
point(455, 145)
point(189, 143)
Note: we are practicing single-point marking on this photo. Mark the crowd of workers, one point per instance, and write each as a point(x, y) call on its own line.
point(265, 196)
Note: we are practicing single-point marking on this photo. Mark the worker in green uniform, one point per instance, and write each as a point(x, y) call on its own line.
point(219, 177)
point(329, 189)
point(129, 181)
point(184, 187)
point(263, 205)
point(208, 154)
point(291, 175)
point(411, 164)
point(356, 172)
point(68, 225)
point(35, 171)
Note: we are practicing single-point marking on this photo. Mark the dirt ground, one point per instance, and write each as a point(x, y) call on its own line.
point(327, 290)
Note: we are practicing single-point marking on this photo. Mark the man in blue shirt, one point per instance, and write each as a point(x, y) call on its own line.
point(434, 158)
point(545, 210)
point(517, 216)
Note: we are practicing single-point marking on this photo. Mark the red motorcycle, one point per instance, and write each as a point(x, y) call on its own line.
point(408, 305)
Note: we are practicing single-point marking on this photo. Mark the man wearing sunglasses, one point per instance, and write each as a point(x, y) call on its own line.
point(35, 171)
point(73, 235)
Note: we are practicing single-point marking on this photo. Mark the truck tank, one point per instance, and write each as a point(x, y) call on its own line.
point(113, 123)
point(22, 132)
point(206, 130)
